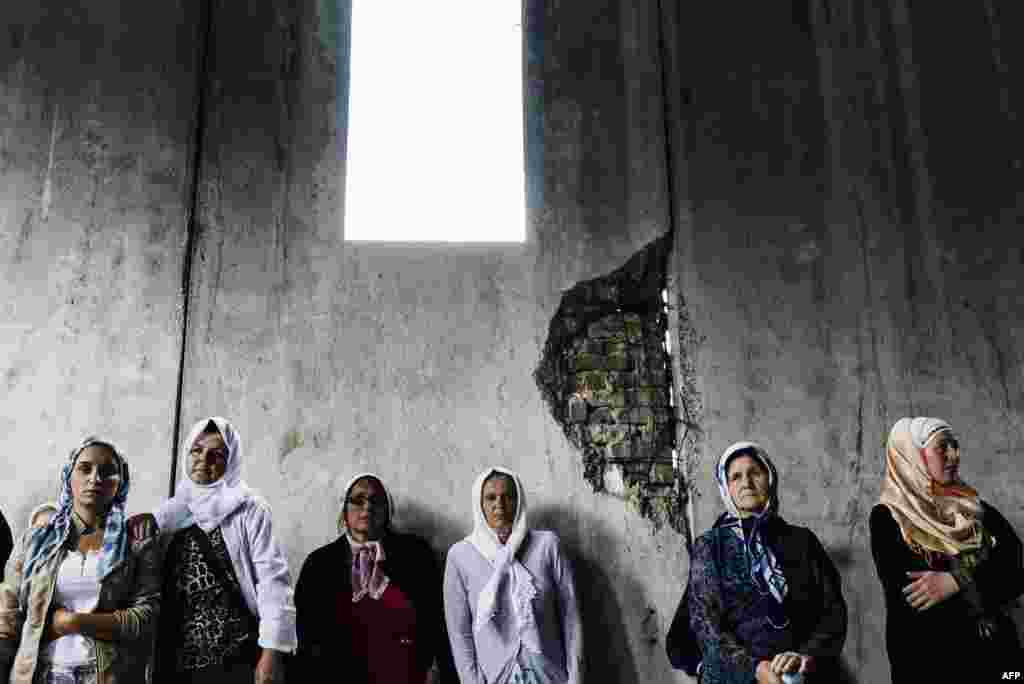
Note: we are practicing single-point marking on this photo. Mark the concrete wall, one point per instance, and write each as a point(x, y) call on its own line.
point(836, 265)
point(96, 116)
point(416, 361)
point(843, 264)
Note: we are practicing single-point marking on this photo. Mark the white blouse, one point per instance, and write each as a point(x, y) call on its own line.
point(77, 590)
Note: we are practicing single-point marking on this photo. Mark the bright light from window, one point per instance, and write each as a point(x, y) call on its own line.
point(435, 133)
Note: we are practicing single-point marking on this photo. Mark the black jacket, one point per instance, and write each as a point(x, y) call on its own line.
point(732, 619)
point(944, 643)
point(323, 640)
point(6, 544)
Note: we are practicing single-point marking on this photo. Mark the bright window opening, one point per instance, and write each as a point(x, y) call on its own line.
point(435, 133)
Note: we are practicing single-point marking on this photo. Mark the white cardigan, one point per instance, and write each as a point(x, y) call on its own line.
point(260, 564)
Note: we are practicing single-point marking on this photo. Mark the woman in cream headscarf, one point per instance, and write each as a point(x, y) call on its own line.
point(509, 596)
point(766, 601)
point(229, 614)
point(947, 560)
point(369, 603)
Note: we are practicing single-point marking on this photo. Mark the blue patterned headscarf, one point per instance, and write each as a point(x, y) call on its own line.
point(47, 540)
point(765, 570)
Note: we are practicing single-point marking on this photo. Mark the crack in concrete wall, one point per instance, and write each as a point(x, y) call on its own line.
point(606, 376)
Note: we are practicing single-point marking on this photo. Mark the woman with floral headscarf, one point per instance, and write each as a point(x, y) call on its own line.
point(369, 603)
point(509, 594)
point(766, 601)
point(948, 562)
point(84, 600)
point(229, 615)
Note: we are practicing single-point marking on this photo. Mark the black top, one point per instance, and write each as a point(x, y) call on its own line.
point(204, 620)
point(6, 544)
point(737, 624)
point(967, 635)
point(214, 626)
point(409, 563)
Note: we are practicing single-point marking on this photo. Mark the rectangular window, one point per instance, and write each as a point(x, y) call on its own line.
point(435, 123)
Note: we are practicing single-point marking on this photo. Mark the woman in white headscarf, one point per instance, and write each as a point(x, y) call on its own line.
point(369, 603)
point(766, 602)
point(948, 561)
point(229, 614)
point(509, 594)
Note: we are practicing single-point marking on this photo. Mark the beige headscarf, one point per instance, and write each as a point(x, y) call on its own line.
point(932, 517)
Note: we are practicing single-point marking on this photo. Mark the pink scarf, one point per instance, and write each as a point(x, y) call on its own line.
point(368, 578)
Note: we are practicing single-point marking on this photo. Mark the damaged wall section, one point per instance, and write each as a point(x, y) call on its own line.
point(606, 376)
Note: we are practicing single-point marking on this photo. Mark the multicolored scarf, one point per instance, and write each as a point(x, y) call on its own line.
point(765, 570)
point(47, 540)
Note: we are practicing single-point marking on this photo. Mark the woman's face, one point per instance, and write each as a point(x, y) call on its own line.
point(366, 511)
point(209, 458)
point(748, 485)
point(499, 501)
point(95, 477)
point(942, 458)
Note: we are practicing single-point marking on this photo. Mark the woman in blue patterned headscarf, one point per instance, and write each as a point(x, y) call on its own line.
point(765, 599)
point(83, 597)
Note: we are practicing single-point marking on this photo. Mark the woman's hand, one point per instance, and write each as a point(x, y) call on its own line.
point(790, 661)
point(765, 675)
point(269, 668)
point(929, 589)
point(62, 623)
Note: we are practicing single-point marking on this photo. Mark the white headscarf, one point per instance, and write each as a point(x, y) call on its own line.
point(765, 569)
point(367, 581)
point(207, 505)
point(509, 575)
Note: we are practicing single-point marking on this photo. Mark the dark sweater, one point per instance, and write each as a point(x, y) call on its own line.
point(6, 544)
point(324, 631)
point(943, 643)
point(731, 618)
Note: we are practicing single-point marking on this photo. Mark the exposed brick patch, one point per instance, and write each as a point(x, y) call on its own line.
point(606, 376)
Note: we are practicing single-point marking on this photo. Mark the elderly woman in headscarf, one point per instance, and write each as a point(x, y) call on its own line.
point(948, 562)
point(84, 599)
point(369, 603)
point(509, 594)
point(229, 615)
point(766, 600)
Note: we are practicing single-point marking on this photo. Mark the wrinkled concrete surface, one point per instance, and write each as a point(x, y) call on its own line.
point(96, 114)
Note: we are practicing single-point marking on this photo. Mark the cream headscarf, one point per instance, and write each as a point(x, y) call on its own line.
point(367, 572)
point(206, 505)
point(932, 517)
point(508, 575)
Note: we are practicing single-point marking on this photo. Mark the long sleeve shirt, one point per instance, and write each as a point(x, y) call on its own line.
point(259, 563)
point(481, 657)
